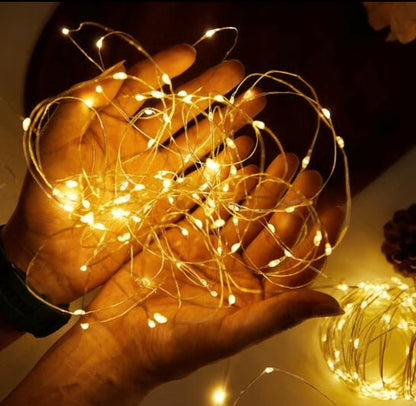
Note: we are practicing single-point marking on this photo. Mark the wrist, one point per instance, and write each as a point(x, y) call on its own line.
point(89, 369)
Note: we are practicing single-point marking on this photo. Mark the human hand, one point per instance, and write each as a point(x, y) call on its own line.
point(199, 329)
point(79, 144)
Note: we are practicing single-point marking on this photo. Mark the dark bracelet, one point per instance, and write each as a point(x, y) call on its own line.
point(21, 308)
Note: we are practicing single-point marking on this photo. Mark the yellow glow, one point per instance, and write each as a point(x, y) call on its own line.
point(85, 326)
point(259, 124)
point(166, 79)
point(26, 123)
point(160, 318)
point(370, 346)
point(219, 396)
point(326, 113)
point(187, 180)
point(120, 75)
point(157, 94)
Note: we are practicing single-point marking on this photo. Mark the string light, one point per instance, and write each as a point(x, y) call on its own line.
point(371, 346)
point(116, 206)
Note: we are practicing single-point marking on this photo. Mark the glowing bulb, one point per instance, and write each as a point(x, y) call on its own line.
point(259, 124)
point(166, 79)
point(139, 187)
point(124, 237)
point(65, 31)
point(328, 249)
point(269, 370)
point(157, 94)
point(120, 76)
point(139, 97)
point(271, 227)
point(231, 300)
point(150, 143)
point(89, 102)
point(219, 395)
point(219, 98)
point(122, 199)
point(235, 247)
point(198, 223)
point(79, 312)
point(99, 226)
point(88, 218)
point(69, 208)
point(326, 113)
point(340, 142)
point(230, 143)
point(218, 223)
point(273, 263)
point(184, 232)
point(85, 326)
point(26, 123)
point(318, 238)
point(182, 93)
point(160, 318)
point(211, 164)
point(71, 183)
point(99, 43)
point(151, 323)
point(305, 161)
point(210, 33)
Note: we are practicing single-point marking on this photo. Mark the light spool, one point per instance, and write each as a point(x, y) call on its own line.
point(371, 347)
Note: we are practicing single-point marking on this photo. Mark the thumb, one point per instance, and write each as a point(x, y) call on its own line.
point(261, 320)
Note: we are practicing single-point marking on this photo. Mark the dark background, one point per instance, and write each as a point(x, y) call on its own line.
point(367, 83)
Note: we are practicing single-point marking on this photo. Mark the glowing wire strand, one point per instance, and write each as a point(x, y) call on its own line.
point(132, 202)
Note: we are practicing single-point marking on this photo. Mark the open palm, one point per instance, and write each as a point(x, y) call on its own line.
point(83, 143)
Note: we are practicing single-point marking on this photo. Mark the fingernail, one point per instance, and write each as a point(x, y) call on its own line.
point(326, 309)
point(112, 69)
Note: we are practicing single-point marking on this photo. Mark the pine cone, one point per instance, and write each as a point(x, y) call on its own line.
point(399, 245)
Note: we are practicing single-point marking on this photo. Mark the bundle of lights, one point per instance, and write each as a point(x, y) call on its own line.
point(371, 347)
point(171, 186)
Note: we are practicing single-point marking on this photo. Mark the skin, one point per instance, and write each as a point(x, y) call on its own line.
point(118, 360)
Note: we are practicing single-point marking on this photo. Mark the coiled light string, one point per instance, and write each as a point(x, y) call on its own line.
point(118, 207)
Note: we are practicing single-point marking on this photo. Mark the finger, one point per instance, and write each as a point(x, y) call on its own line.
point(77, 108)
point(146, 76)
point(249, 220)
point(203, 224)
point(210, 133)
point(217, 80)
point(191, 190)
point(261, 320)
point(285, 228)
point(310, 255)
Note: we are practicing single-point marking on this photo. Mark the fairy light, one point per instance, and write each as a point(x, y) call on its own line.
point(26, 123)
point(118, 207)
point(370, 347)
point(219, 396)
